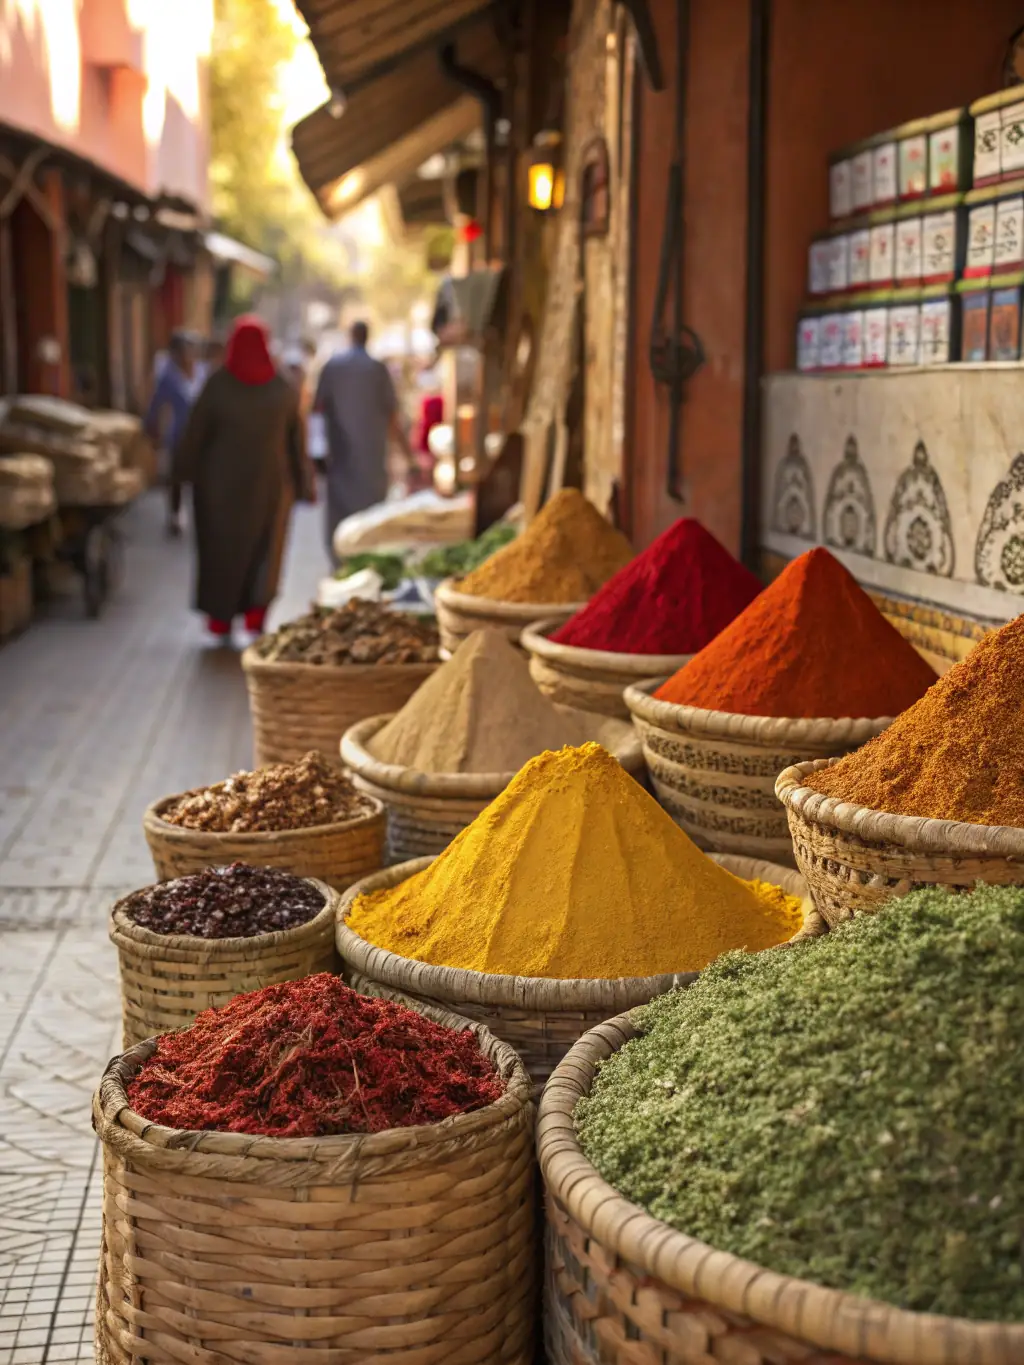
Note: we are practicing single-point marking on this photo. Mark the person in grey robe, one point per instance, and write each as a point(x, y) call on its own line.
point(243, 452)
point(357, 400)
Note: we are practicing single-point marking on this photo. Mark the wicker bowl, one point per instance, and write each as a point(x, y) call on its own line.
point(425, 811)
point(590, 679)
point(338, 854)
point(541, 1017)
point(167, 979)
point(714, 771)
point(855, 859)
point(459, 614)
point(616, 1277)
point(298, 707)
point(412, 1245)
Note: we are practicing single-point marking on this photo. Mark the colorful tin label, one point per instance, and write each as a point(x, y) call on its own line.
point(981, 240)
point(974, 328)
point(1011, 139)
point(1004, 324)
point(940, 245)
point(840, 188)
point(904, 328)
point(988, 130)
point(876, 336)
point(883, 173)
point(818, 260)
point(883, 243)
point(860, 258)
point(1009, 241)
point(913, 166)
point(839, 263)
point(863, 188)
point(830, 350)
point(808, 344)
point(944, 159)
point(853, 339)
point(936, 319)
point(909, 249)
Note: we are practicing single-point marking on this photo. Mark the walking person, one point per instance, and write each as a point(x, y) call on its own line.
point(357, 399)
point(244, 454)
point(167, 415)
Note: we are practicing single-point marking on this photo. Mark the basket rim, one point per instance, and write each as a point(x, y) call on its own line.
point(534, 640)
point(679, 719)
point(917, 833)
point(414, 782)
point(124, 932)
point(491, 607)
point(253, 663)
point(154, 822)
point(544, 993)
point(858, 1326)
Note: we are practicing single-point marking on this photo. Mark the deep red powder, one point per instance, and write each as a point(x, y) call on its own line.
point(312, 1058)
point(672, 599)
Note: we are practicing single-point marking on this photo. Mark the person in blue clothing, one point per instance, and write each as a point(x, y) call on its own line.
point(167, 415)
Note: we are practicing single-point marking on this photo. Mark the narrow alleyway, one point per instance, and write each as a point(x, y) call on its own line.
point(97, 718)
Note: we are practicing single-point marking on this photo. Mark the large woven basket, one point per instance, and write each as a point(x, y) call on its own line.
point(338, 854)
point(298, 707)
point(425, 811)
point(415, 1245)
point(623, 1286)
point(590, 679)
point(167, 979)
point(459, 614)
point(714, 771)
point(855, 859)
point(540, 1017)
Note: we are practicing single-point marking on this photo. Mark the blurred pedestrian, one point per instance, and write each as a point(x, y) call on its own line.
point(167, 415)
point(244, 454)
point(212, 359)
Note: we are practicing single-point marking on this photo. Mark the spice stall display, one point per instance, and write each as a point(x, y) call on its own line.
point(550, 570)
point(809, 670)
point(572, 896)
point(196, 942)
point(745, 1171)
point(309, 1173)
point(461, 738)
point(317, 675)
point(934, 800)
point(303, 817)
point(647, 620)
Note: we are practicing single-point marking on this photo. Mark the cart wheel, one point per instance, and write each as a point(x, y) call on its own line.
point(95, 569)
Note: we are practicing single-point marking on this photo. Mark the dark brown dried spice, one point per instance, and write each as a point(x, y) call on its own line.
point(226, 902)
point(360, 632)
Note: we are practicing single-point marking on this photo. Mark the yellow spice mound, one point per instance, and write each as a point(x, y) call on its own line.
point(574, 871)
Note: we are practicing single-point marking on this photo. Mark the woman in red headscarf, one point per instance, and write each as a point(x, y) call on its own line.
point(244, 454)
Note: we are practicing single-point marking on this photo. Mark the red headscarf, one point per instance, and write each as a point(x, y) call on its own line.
point(248, 352)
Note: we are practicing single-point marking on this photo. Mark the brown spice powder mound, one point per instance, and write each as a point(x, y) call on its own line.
point(565, 554)
point(958, 753)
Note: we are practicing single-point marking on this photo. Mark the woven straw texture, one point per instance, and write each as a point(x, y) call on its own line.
point(167, 979)
point(338, 854)
point(416, 1245)
point(298, 707)
point(590, 679)
point(714, 772)
point(425, 811)
point(620, 1286)
point(855, 859)
point(459, 614)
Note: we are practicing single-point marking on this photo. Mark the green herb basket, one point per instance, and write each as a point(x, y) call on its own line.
point(623, 1286)
point(459, 614)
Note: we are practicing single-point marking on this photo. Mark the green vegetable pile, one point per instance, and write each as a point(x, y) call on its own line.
point(850, 1111)
point(390, 567)
point(451, 561)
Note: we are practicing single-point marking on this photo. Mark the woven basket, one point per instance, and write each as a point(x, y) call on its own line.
point(167, 979)
point(415, 1245)
point(590, 679)
point(855, 859)
point(540, 1017)
point(338, 854)
point(298, 707)
point(459, 614)
point(623, 1286)
point(714, 772)
point(425, 811)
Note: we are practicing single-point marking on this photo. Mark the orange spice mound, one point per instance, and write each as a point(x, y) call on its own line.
point(566, 553)
point(813, 644)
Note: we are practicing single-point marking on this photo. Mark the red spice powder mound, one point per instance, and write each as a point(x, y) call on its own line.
point(672, 599)
point(312, 1058)
point(812, 644)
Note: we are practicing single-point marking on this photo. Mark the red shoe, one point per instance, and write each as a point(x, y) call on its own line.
point(254, 619)
point(218, 628)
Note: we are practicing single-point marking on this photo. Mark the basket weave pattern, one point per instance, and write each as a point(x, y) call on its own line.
point(459, 614)
point(338, 854)
point(620, 1286)
point(298, 707)
point(414, 1245)
point(167, 979)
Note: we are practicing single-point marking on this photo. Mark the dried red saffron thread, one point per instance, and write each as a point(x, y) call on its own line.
point(312, 1058)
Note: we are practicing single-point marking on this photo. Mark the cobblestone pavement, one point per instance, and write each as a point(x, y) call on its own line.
point(97, 718)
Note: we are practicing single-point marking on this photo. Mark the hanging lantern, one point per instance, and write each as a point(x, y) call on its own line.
point(545, 177)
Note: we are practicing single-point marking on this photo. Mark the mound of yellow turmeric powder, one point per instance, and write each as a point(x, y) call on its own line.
point(574, 871)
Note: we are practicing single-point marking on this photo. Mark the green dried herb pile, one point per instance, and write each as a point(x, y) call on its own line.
point(850, 1111)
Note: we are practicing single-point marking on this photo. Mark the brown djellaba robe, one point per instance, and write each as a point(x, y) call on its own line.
point(244, 453)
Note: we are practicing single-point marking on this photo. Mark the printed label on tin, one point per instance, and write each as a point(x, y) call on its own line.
point(839, 264)
point(987, 139)
point(981, 239)
point(883, 237)
point(853, 339)
point(863, 191)
point(840, 189)
point(1009, 249)
point(904, 322)
point(876, 335)
point(944, 158)
point(883, 172)
point(818, 260)
point(940, 245)
point(1004, 325)
point(974, 339)
point(913, 158)
point(1011, 138)
point(808, 344)
point(935, 317)
point(860, 258)
point(909, 244)
point(830, 352)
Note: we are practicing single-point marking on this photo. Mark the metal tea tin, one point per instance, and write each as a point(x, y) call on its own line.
point(912, 159)
point(808, 340)
point(1009, 227)
point(904, 327)
point(944, 239)
point(980, 253)
point(937, 325)
point(859, 255)
point(884, 170)
point(862, 176)
point(875, 344)
point(948, 151)
point(830, 346)
point(974, 303)
point(882, 248)
point(840, 186)
point(909, 247)
point(1004, 316)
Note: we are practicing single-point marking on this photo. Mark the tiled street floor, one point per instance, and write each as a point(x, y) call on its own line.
point(97, 718)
